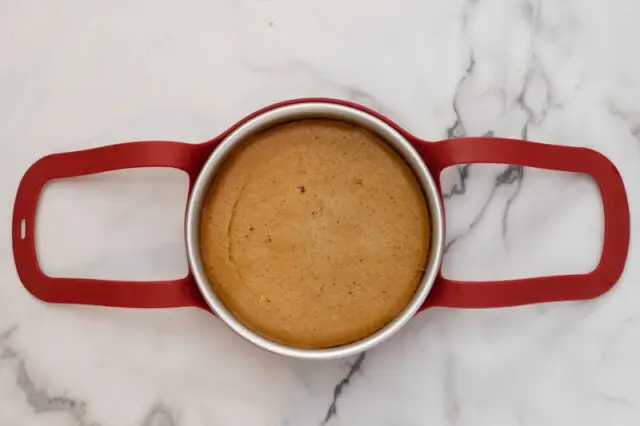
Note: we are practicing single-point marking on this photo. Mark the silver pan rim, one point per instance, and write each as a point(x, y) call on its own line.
point(293, 112)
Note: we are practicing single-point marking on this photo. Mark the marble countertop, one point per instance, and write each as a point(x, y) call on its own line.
point(76, 75)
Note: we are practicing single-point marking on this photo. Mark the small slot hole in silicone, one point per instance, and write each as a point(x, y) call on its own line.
point(23, 229)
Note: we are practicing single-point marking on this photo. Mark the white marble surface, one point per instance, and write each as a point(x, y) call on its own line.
point(75, 75)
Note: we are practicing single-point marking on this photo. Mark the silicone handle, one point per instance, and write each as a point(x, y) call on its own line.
point(160, 294)
point(490, 294)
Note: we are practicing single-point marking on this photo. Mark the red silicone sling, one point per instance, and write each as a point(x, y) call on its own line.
point(437, 156)
point(160, 294)
point(489, 294)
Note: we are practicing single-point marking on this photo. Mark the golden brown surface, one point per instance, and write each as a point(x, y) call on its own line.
point(315, 233)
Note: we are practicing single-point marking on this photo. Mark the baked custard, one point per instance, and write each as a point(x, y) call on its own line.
point(315, 233)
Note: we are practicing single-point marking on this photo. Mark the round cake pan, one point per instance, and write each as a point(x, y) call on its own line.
point(288, 113)
point(427, 160)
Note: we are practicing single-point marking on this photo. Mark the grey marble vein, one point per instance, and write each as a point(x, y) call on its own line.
point(519, 175)
point(536, 69)
point(353, 92)
point(613, 108)
point(41, 402)
point(634, 128)
point(341, 386)
point(516, 172)
point(7, 333)
point(532, 117)
point(473, 224)
point(360, 96)
point(511, 174)
point(528, 11)
point(6, 351)
point(460, 188)
point(611, 399)
point(159, 415)
point(457, 129)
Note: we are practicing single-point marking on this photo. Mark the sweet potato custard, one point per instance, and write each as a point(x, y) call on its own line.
point(315, 233)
